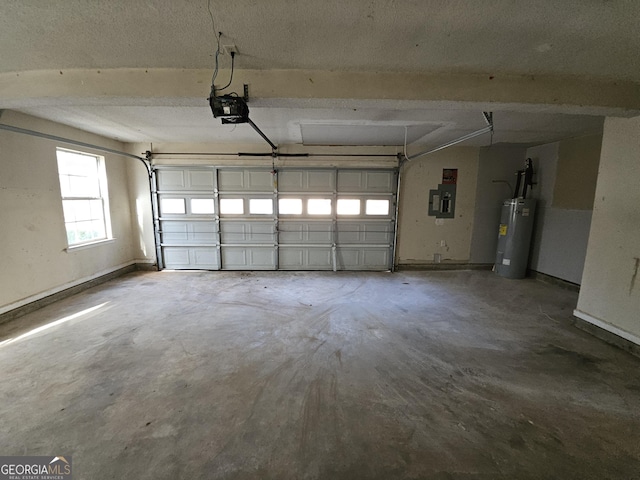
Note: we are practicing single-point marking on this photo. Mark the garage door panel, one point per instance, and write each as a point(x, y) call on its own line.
point(348, 258)
point(366, 181)
point(363, 258)
point(171, 179)
point(375, 258)
point(201, 180)
point(305, 258)
point(231, 180)
point(186, 180)
point(181, 232)
point(247, 232)
point(291, 257)
point(176, 257)
point(174, 232)
point(290, 232)
point(319, 258)
point(305, 232)
point(261, 181)
point(248, 258)
point(187, 258)
point(365, 232)
point(245, 181)
point(204, 232)
point(221, 218)
point(381, 182)
point(320, 181)
point(205, 258)
point(350, 233)
point(291, 181)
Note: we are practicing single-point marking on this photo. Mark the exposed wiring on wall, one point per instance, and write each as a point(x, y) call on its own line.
point(507, 184)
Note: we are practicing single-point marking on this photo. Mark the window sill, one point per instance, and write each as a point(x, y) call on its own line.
point(83, 246)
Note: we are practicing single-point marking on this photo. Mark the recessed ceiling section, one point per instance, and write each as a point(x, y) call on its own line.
point(371, 134)
point(316, 126)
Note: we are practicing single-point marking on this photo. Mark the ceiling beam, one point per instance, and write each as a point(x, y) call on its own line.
point(185, 87)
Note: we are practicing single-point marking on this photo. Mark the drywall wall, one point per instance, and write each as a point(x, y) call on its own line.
point(610, 292)
point(577, 172)
point(420, 236)
point(560, 235)
point(35, 262)
point(497, 169)
point(565, 178)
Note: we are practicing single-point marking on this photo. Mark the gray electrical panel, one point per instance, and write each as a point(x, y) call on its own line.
point(442, 202)
point(514, 237)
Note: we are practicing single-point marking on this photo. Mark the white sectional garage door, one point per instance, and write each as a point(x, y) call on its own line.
point(293, 219)
point(188, 222)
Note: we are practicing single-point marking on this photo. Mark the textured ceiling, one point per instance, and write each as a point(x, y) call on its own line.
point(596, 39)
point(569, 37)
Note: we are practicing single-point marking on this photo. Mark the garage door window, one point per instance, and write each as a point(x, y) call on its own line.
point(85, 202)
point(377, 207)
point(319, 206)
point(172, 206)
point(202, 206)
point(231, 206)
point(261, 206)
point(348, 206)
point(290, 206)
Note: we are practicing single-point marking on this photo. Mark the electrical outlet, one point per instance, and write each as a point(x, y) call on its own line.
point(227, 49)
point(443, 243)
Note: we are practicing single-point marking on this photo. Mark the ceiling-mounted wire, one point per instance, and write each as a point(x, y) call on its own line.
point(233, 57)
point(217, 36)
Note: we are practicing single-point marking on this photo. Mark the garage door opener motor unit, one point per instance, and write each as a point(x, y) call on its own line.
point(233, 109)
point(229, 108)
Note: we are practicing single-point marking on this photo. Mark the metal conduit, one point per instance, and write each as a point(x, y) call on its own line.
point(70, 141)
point(249, 154)
point(394, 251)
point(488, 118)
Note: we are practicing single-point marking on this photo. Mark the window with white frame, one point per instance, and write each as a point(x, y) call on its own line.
point(85, 201)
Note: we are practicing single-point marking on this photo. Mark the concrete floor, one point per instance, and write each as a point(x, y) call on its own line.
point(229, 375)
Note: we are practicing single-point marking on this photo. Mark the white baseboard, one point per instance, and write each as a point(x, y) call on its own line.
point(607, 326)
